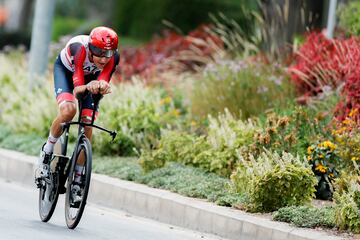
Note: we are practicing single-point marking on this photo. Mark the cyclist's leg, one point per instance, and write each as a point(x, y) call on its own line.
point(66, 101)
point(67, 110)
point(86, 116)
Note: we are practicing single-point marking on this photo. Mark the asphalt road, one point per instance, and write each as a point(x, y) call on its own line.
point(19, 220)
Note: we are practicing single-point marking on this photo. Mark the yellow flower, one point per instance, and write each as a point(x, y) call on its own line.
point(355, 159)
point(309, 158)
point(321, 168)
point(310, 149)
point(339, 131)
point(328, 144)
point(321, 156)
point(353, 112)
point(176, 112)
point(348, 122)
point(331, 175)
point(166, 100)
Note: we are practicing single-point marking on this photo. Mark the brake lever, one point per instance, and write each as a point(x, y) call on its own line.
point(113, 135)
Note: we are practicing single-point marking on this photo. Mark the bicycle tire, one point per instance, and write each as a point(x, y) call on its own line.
point(48, 196)
point(47, 208)
point(72, 214)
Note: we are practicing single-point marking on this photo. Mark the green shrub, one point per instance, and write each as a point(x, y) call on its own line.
point(306, 216)
point(185, 180)
point(277, 134)
point(24, 110)
point(347, 138)
point(345, 181)
point(347, 212)
point(347, 206)
point(228, 137)
point(151, 160)
point(293, 129)
point(349, 18)
point(220, 162)
point(192, 182)
point(215, 152)
point(122, 145)
point(273, 181)
point(292, 185)
point(226, 131)
point(126, 168)
point(4, 132)
point(138, 113)
point(323, 159)
point(189, 150)
point(28, 143)
point(173, 147)
point(246, 87)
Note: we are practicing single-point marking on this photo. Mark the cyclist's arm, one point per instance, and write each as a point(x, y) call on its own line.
point(109, 68)
point(78, 54)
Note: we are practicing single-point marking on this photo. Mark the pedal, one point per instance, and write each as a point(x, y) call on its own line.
point(75, 204)
point(38, 183)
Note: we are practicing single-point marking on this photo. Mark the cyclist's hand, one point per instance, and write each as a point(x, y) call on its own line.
point(79, 89)
point(93, 87)
point(104, 87)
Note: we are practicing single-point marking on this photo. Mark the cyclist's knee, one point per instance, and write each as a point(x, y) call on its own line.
point(68, 111)
point(87, 114)
point(88, 132)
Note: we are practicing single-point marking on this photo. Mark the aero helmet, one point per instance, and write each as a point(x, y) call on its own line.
point(103, 42)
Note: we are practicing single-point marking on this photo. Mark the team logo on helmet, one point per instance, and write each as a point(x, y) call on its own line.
point(108, 42)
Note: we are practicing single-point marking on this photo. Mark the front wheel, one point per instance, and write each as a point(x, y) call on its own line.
point(77, 191)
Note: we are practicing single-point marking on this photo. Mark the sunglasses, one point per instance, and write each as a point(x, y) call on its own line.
point(98, 52)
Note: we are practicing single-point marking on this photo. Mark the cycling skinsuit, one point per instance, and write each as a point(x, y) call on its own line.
point(73, 68)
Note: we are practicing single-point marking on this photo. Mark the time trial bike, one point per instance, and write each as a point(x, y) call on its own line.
point(62, 170)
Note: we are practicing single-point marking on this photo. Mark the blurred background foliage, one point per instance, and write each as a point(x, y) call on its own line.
point(132, 19)
point(139, 21)
point(349, 19)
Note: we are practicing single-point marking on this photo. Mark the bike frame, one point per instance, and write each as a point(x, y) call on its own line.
point(82, 125)
point(64, 163)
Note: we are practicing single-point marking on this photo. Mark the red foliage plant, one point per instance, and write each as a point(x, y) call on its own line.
point(162, 53)
point(334, 63)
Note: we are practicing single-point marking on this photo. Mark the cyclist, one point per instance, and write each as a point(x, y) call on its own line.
point(86, 63)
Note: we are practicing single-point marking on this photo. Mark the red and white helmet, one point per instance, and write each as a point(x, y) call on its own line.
point(103, 42)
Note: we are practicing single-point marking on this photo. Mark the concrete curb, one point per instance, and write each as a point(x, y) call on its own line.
point(167, 207)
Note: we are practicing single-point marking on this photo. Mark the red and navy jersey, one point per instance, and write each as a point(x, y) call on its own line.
point(75, 57)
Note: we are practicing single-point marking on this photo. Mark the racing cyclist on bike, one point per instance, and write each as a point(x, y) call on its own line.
point(86, 63)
